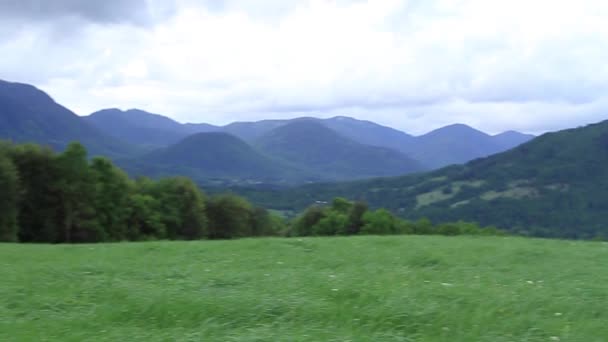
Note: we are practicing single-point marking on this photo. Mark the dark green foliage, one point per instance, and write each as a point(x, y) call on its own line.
point(379, 222)
point(76, 192)
point(303, 225)
point(229, 216)
point(39, 205)
point(145, 220)
point(182, 207)
point(341, 205)
point(449, 229)
point(263, 223)
point(347, 218)
point(423, 226)
point(9, 196)
point(111, 200)
point(333, 223)
point(355, 217)
point(65, 198)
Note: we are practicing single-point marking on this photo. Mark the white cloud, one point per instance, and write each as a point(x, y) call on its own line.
point(528, 65)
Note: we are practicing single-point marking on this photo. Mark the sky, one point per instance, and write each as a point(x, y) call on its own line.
point(416, 65)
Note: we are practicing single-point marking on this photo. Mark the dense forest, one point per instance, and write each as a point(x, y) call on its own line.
point(69, 198)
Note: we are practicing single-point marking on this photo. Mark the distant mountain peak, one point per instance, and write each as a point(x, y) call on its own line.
point(513, 133)
point(457, 127)
point(343, 118)
point(24, 92)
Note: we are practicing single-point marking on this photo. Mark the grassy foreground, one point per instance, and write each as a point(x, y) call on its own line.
point(403, 288)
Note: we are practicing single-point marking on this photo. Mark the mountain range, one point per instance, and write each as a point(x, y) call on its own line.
point(454, 144)
point(292, 151)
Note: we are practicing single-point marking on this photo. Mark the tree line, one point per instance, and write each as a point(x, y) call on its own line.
point(343, 217)
point(67, 198)
point(48, 197)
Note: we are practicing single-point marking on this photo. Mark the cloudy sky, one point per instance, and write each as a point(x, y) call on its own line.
point(529, 65)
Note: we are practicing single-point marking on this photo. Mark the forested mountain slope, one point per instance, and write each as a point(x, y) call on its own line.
point(27, 114)
point(555, 185)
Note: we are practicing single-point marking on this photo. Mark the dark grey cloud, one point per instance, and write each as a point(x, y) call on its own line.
point(139, 12)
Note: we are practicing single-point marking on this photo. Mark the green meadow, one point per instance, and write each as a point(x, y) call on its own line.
point(393, 288)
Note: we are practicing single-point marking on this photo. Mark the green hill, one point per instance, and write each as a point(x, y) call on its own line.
point(311, 145)
point(27, 114)
point(397, 288)
point(555, 185)
point(206, 157)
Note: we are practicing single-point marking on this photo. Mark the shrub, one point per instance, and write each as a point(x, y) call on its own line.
point(379, 222)
point(333, 223)
point(303, 224)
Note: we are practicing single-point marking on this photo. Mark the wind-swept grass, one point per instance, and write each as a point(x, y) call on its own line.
point(398, 288)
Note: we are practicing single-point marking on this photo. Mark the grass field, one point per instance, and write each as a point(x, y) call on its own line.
point(404, 288)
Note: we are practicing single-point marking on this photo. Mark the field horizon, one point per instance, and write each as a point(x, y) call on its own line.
point(391, 288)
